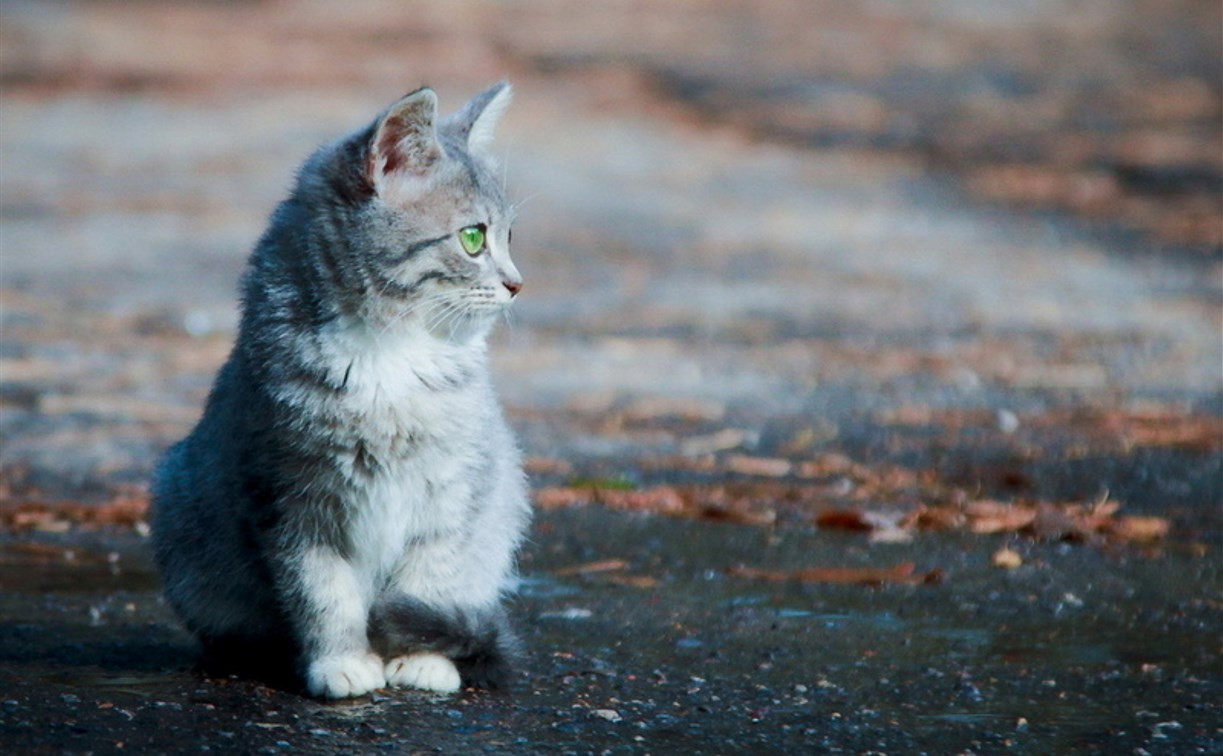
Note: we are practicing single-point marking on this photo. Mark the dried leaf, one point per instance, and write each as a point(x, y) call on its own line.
point(659, 500)
point(727, 438)
point(826, 465)
point(992, 517)
point(738, 516)
point(766, 467)
point(659, 407)
point(901, 574)
point(603, 565)
point(546, 466)
point(128, 509)
point(842, 519)
point(632, 581)
point(1140, 528)
point(934, 518)
point(557, 497)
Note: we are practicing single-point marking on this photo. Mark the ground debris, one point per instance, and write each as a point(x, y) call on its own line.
point(904, 573)
point(127, 508)
point(1007, 558)
point(1062, 521)
point(609, 571)
point(717, 503)
point(603, 565)
point(886, 502)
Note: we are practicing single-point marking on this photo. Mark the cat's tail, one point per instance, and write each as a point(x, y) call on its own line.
point(481, 643)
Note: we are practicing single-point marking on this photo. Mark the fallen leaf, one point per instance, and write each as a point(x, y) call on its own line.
point(603, 565)
point(934, 518)
point(768, 467)
point(901, 574)
point(727, 438)
point(738, 516)
point(557, 497)
point(546, 466)
point(632, 581)
point(994, 517)
point(1140, 528)
point(659, 500)
point(843, 519)
point(659, 407)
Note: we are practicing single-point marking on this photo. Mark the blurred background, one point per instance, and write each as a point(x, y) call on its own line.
point(795, 207)
point(910, 312)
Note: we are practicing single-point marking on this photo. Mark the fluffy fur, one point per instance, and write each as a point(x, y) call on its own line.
point(352, 499)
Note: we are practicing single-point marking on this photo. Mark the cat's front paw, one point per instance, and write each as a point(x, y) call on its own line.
point(425, 671)
point(345, 675)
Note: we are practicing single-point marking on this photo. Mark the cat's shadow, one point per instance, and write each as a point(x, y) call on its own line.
point(47, 650)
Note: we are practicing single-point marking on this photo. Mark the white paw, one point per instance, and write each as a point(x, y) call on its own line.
point(426, 671)
point(345, 676)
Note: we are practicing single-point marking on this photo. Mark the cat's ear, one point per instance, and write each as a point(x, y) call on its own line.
point(476, 121)
point(405, 140)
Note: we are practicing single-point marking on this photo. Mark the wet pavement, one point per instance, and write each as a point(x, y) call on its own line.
point(869, 366)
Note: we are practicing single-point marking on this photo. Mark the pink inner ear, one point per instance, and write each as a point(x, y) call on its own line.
point(388, 143)
point(406, 146)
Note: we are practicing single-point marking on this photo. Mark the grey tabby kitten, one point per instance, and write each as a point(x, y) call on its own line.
point(352, 498)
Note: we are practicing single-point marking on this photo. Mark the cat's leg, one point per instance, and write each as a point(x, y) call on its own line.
point(445, 598)
point(440, 649)
point(329, 607)
point(445, 594)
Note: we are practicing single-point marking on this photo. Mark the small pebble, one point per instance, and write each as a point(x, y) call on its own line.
point(1008, 422)
point(611, 715)
point(1007, 559)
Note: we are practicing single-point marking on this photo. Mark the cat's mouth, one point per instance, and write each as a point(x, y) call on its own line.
point(469, 311)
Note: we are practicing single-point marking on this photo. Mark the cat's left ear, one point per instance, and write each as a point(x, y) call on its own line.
point(476, 121)
point(405, 140)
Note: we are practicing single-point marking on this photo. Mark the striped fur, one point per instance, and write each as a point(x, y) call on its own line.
point(352, 494)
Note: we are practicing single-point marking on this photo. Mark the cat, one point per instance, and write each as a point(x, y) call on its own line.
point(352, 499)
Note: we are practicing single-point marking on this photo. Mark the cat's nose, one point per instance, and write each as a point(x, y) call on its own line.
point(513, 284)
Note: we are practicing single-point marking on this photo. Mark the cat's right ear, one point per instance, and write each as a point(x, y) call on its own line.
point(404, 147)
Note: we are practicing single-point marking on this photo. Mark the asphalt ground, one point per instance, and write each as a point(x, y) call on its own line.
point(868, 365)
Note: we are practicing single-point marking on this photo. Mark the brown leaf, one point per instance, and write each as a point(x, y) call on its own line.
point(128, 508)
point(558, 497)
point(632, 581)
point(1140, 528)
point(934, 518)
point(767, 467)
point(661, 407)
point(659, 500)
point(993, 517)
point(727, 438)
point(738, 516)
point(546, 466)
point(901, 574)
point(843, 519)
point(603, 565)
point(826, 465)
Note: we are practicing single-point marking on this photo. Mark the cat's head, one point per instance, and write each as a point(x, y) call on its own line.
point(433, 220)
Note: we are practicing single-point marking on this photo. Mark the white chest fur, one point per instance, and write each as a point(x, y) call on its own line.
point(415, 412)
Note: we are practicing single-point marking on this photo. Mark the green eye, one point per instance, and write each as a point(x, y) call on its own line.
point(472, 239)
